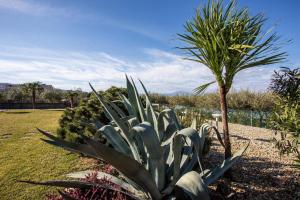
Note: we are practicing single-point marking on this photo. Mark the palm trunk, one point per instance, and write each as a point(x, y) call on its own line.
point(71, 102)
point(223, 103)
point(33, 99)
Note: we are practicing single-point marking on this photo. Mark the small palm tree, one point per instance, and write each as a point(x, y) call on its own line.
point(71, 95)
point(228, 40)
point(33, 89)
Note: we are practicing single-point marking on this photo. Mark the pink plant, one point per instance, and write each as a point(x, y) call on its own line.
point(108, 190)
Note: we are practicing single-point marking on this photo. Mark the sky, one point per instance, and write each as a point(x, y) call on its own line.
point(68, 43)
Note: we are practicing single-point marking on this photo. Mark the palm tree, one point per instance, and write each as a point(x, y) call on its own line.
point(34, 89)
point(228, 40)
point(71, 95)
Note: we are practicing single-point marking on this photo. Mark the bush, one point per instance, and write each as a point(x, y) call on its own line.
point(89, 110)
point(285, 118)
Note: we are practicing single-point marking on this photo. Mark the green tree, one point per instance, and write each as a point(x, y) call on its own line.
point(33, 89)
point(71, 96)
point(227, 40)
point(52, 96)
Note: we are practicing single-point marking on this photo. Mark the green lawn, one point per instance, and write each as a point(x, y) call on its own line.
point(24, 156)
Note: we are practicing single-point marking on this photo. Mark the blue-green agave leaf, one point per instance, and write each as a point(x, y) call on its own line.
point(116, 140)
point(191, 186)
point(155, 159)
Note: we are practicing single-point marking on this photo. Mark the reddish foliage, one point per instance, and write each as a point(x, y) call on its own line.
point(95, 193)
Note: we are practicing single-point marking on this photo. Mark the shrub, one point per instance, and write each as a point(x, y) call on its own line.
point(77, 120)
point(285, 118)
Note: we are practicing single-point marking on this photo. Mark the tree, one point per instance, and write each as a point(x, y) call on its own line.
point(34, 89)
point(227, 40)
point(52, 96)
point(71, 95)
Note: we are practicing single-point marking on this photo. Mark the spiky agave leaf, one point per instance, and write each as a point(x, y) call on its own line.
point(191, 186)
point(121, 125)
point(115, 139)
point(127, 104)
point(184, 161)
point(132, 169)
point(167, 124)
point(151, 115)
point(106, 176)
point(194, 185)
point(154, 154)
point(78, 184)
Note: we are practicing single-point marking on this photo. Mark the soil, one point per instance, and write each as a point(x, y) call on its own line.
point(261, 173)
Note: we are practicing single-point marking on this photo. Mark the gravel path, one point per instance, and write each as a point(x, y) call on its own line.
point(261, 173)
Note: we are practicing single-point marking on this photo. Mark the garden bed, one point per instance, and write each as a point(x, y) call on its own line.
point(261, 173)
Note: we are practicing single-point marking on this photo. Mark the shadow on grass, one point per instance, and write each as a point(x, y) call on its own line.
point(18, 112)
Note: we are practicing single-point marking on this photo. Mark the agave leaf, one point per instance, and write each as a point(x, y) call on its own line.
point(139, 104)
point(164, 121)
point(77, 148)
point(204, 131)
point(191, 185)
point(106, 176)
point(116, 119)
point(132, 98)
point(133, 122)
point(133, 170)
point(194, 124)
point(151, 145)
point(76, 184)
point(127, 105)
point(218, 136)
point(151, 114)
point(113, 115)
point(218, 171)
point(67, 183)
point(181, 163)
point(116, 140)
point(191, 137)
point(117, 109)
point(126, 165)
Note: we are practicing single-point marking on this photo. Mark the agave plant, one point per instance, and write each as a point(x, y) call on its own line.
point(154, 153)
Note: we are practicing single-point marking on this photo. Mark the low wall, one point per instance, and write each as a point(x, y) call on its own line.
point(29, 105)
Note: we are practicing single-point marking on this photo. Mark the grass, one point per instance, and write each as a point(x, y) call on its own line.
point(23, 156)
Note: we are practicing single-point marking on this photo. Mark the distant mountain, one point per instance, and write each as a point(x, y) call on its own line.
point(8, 86)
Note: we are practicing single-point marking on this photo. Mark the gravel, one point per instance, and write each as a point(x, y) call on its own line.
point(261, 173)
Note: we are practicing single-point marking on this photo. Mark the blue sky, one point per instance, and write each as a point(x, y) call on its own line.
point(69, 43)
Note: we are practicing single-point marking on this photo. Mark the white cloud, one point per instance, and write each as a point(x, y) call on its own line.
point(33, 8)
point(162, 71)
